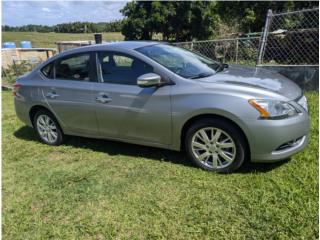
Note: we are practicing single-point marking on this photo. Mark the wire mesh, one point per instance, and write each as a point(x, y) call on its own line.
point(236, 50)
point(292, 38)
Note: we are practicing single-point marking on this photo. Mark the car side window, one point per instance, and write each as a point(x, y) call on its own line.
point(122, 61)
point(119, 68)
point(48, 70)
point(76, 67)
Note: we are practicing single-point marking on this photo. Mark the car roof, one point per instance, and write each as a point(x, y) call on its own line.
point(122, 45)
point(129, 44)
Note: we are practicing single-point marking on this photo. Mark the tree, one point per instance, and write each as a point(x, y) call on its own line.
point(250, 16)
point(136, 25)
point(197, 20)
point(181, 21)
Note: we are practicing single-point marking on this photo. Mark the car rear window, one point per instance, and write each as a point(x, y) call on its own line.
point(75, 67)
point(48, 70)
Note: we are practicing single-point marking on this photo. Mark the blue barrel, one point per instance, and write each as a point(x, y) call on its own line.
point(9, 45)
point(25, 44)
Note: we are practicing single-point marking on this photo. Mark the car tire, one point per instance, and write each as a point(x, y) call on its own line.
point(48, 128)
point(215, 145)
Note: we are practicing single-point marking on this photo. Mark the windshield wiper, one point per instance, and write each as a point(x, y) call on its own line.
point(201, 75)
point(222, 66)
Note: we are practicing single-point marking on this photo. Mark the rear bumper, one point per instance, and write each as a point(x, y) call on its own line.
point(22, 111)
point(274, 140)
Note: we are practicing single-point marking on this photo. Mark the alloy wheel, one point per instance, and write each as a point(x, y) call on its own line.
point(213, 147)
point(47, 129)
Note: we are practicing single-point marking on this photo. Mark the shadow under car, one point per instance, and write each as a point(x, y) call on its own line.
point(113, 148)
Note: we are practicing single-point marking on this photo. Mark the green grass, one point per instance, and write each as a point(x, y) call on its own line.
point(47, 40)
point(95, 189)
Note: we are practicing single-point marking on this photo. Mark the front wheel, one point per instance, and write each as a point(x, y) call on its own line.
point(48, 128)
point(215, 145)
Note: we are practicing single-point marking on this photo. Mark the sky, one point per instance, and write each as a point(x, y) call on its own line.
point(18, 13)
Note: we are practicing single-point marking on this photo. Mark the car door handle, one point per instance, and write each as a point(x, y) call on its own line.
point(52, 95)
point(103, 99)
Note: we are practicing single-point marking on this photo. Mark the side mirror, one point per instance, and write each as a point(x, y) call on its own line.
point(149, 80)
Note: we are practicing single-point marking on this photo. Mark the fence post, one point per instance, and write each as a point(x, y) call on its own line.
point(15, 67)
point(264, 37)
point(237, 49)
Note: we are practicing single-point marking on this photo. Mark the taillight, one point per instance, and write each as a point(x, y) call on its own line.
point(15, 89)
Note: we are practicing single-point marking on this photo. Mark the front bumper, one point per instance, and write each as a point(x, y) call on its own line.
point(273, 140)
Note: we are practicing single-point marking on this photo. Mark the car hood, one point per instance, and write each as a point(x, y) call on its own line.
point(255, 77)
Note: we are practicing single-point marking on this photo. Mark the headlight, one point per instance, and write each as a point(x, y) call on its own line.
point(273, 109)
point(304, 103)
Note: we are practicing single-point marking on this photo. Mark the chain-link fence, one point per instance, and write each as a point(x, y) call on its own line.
point(290, 38)
point(236, 50)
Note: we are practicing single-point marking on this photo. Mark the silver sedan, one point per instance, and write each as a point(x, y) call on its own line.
point(158, 95)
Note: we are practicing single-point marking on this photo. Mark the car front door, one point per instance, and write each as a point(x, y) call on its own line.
point(125, 110)
point(69, 93)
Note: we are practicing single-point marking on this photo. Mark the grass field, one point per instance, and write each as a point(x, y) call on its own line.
point(95, 189)
point(49, 39)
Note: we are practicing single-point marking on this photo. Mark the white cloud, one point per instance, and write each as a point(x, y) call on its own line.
point(17, 13)
point(45, 9)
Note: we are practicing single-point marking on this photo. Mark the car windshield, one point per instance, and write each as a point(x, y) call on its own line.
point(185, 63)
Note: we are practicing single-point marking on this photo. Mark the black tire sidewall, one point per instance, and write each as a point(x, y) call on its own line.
point(59, 131)
point(232, 131)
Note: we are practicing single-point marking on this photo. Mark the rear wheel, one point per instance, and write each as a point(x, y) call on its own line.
point(48, 128)
point(215, 145)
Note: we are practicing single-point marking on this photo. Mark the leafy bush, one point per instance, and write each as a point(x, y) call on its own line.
point(10, 74)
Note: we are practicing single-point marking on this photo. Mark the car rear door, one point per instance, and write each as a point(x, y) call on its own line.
point(69, 93)
point(125, 110)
